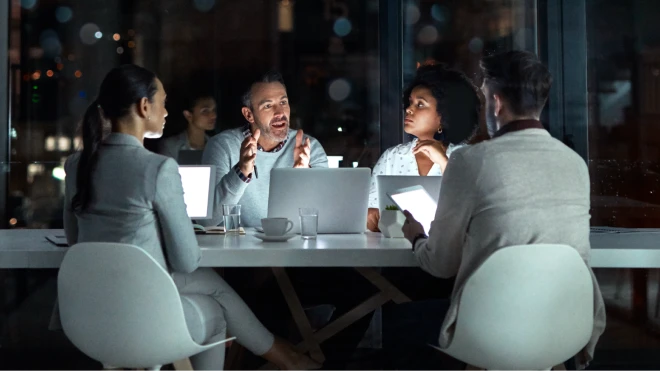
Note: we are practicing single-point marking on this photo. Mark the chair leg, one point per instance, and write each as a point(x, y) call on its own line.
point(621, 280)
point(183, 364)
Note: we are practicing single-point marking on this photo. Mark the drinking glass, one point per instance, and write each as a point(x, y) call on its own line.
point(309, 223)
point(231, 214)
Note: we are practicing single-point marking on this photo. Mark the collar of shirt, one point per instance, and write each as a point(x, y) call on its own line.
point(247, 132)
point(517, 126)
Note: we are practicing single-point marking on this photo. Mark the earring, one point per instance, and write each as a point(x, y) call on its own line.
point(439, 130)
point(148, 118)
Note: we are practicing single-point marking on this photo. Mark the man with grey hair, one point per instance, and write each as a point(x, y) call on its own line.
point(245, 156)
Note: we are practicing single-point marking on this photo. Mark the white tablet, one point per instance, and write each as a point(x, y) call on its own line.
point(418, 202)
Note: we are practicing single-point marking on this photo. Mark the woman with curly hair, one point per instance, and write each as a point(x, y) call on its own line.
point(442, 113)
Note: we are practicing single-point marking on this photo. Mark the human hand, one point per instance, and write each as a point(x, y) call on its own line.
point(411, 228)
point(249, 153)
point(373, 217)
point(434, 150)
point(302, 153)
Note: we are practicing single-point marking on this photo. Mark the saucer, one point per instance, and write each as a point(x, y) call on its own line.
point(283, 238)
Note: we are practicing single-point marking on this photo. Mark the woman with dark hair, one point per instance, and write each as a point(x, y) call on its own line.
point(199, 111)
point(442, 113)
point(118, 191)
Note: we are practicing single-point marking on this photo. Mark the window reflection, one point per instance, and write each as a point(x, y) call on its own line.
point(624, 101)
point(459, 33)
point(60, 50)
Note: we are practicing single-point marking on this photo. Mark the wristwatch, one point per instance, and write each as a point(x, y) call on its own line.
point(414, 241)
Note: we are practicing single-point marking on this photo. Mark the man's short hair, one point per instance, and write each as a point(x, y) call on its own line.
point(268, 77)
point(520, 79)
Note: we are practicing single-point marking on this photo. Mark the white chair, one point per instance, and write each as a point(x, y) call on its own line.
point(121, 308)
point(526, 307)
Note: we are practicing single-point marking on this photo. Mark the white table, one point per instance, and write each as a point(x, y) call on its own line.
point(611, 248)
point(29, 249)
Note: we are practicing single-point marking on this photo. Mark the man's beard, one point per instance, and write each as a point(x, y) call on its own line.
point(491, 119)
point(266, 130)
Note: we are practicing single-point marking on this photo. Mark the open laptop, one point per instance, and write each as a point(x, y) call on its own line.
point(340, 195)
point(190, 157)
point(389, 183)
point(198, 190)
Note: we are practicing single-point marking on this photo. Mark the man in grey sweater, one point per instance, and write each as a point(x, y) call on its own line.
point(521, 187)
point(245, 156)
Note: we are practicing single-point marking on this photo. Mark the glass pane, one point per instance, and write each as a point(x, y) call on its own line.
point(624, 112)
point(459, 33)
point(326, 50)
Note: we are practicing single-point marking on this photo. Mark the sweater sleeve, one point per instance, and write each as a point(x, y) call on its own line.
point(229, 187)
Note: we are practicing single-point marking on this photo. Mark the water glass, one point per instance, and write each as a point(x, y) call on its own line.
point(231, 214)
point(309, 223)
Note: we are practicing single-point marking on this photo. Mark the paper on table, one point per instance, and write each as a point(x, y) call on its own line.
point(216, 230)
point(59, 241)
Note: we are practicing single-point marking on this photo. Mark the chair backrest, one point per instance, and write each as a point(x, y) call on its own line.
point(526, 307)
point(120, 307)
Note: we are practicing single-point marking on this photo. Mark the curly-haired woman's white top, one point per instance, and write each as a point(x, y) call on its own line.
point(400, 160)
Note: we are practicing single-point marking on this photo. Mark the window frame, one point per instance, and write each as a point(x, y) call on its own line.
point(563, 48)
point(5, 114)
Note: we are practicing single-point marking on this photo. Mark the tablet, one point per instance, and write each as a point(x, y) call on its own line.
point(418, 202)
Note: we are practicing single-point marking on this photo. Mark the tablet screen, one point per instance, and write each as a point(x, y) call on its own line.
point(418, 202)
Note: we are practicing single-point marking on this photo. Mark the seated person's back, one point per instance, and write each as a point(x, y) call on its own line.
point(522, 187)
point(529, 188)
point(127, 176)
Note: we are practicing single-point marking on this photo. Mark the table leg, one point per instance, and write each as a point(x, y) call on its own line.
point(640, 294)
point(345, 320)
point(298, 314)
point(383, 285)
point(311, 339)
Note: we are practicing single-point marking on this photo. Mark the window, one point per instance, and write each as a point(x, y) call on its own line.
point(460, 33)
point(60, 51)
point(623, 45)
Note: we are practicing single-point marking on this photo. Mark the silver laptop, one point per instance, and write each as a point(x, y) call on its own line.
point(340, 195)
point(389, 183)
point(198, 190)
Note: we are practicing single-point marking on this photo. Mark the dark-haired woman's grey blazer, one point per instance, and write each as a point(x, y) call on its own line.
point(138, 200)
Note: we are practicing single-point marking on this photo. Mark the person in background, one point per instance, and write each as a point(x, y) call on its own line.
point(145, 207)
point(442, 112)
point(245, 156)
point(200, 115)
point(521, 187)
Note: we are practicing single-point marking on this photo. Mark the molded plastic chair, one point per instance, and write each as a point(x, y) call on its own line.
point(121, 308)
point(526, 307)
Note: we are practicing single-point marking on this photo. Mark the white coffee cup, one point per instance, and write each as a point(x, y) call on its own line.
point(276, 226)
